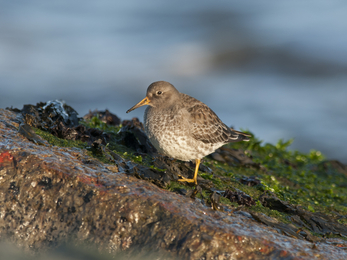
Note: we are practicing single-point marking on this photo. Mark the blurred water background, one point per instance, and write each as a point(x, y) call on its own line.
point(277, 68)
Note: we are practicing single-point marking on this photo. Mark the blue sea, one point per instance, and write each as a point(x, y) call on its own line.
point(276, 68)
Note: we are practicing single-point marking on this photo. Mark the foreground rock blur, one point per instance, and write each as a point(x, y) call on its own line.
point(50, 195)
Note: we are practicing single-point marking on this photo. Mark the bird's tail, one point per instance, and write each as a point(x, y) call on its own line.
point(238, 136)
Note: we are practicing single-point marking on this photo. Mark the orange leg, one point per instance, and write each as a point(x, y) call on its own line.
point(195, 179)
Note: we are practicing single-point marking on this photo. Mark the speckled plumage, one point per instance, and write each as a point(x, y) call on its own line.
point(187, 130)
point(181, 126)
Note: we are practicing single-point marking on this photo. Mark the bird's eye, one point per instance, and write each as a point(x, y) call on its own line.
point(159, 92)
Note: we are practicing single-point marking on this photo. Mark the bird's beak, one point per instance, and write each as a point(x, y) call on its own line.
point(143, 102)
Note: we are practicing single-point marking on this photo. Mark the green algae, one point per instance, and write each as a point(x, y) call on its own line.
point(301, 179)
point(296, 177)
point(95, 122)
point(56, 141)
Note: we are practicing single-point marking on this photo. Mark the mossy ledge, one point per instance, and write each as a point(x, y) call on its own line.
point(304, 180)
point(275, 202)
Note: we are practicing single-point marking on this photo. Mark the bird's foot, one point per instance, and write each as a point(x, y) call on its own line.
point(187, 180)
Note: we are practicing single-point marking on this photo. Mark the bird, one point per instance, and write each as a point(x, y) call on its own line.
point(182, 127)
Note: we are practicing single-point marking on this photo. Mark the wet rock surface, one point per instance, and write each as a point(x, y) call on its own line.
point(50, 195)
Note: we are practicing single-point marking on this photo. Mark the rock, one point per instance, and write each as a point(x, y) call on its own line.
point(239, 197)
point(271, 201)
point(318, 223)
point(50, 195)
point(250, 181)
point(232, 157)
point(336, 165)
point(105, 116)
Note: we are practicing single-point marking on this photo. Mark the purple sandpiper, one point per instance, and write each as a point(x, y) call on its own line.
point(183, 127)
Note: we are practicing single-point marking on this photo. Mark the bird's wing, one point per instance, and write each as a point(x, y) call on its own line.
point(206, 126)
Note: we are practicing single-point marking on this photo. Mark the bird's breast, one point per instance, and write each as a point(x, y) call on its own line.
point(170, 135)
